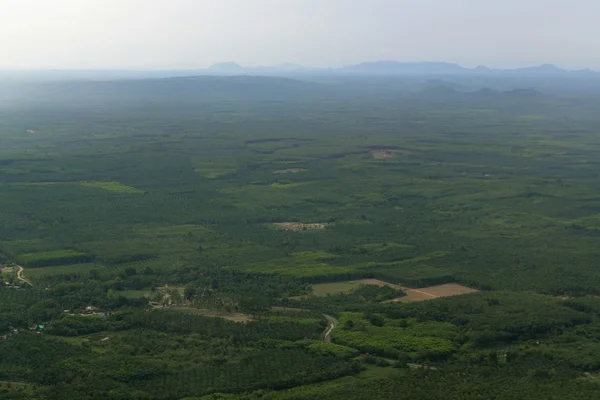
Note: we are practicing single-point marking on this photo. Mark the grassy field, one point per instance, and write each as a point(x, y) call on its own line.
point(35, 273)
point(18, 387)
point(115, 187)
point(323, 289)
point(134, 294)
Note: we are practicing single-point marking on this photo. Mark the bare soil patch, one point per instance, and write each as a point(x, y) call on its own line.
point(291, 309)
point(230, 316)
point(290, 171)
point(448, 289)
point(561, 297)
point(382, 154)
point(298, 226)
point(420, 294)
point(433, 292)
point(21, 277)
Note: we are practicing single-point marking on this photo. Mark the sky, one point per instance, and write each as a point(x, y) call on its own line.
point(181, 34)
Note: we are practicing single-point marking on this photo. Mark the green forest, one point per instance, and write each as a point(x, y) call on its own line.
point(272, 238)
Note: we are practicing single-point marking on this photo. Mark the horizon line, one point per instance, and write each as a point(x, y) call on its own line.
point(275, 66)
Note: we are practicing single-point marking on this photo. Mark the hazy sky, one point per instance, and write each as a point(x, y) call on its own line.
point(197, 33)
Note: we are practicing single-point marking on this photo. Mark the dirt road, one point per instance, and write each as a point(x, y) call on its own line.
point(20, 276)
point(326, 337)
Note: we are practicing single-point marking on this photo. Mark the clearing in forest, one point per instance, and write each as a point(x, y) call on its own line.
point(383, 154)
point(36, 273)
point(298, 226)
point(111, 187)
point(290, 171)
point(6, 270)
point(323, 289)
point(433, 292)
point(230, 316)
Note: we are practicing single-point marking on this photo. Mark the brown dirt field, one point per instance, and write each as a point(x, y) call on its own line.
point(386, 153)
point(561, 297)
point(290, 171)
point(291, 309)
point(297, 226)
point(432, 292)
point(448, 289)
point(235, 317)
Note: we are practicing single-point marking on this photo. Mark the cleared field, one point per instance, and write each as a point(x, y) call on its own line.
point(116, 187)
point(235, 317)
point(54, 257)
point(432, 292)
point(290, 171)
point(134, 294)
point(386, 153)
point(179, 289)
point(34, 273)
point(297, 226)
point(323, 289)
point(449, 289)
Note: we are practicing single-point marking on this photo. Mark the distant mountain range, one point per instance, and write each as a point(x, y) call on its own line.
point(387, 68)
point(366, 69)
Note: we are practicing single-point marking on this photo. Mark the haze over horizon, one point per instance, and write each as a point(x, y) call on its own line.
point(182, 34)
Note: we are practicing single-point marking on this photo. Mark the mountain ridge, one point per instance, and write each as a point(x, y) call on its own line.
point(383, 68)
point(392, 67)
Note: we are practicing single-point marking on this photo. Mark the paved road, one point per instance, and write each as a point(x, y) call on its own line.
point(332, 323)
point(21, 277)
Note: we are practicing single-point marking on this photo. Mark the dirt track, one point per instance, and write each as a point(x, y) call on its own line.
point(332, 324)
point(20, 276)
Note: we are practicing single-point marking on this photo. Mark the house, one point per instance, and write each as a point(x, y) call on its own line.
point(90, 310)
point(36, 327)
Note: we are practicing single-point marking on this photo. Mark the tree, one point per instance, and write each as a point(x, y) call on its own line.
point(189, 292)
point(254, 305)
point(376, 320)
point(112, 295)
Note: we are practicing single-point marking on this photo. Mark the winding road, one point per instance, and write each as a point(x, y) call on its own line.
point(332, 323)
point(20, 276)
